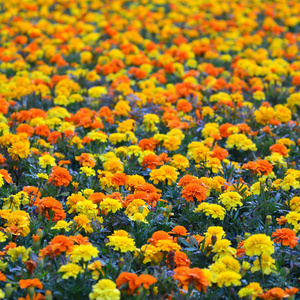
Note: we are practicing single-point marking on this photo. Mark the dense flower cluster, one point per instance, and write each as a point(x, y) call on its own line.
point(149, 149)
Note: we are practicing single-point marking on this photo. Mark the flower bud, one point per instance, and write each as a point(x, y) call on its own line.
point(238, 239)
point(269, 182)
point(268, 220)
point(8, 290)
point(40, 233)
point(246, 235)
point(121, 263)
point(48, 295)
point(31, 291)
point(169, 208)
point(213, 239)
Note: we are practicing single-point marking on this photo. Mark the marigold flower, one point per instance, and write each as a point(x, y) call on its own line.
point(60, 176)
point(105, 288)
point(258, 244)
point(194, 276)
point(286, 237)
point(25, 283)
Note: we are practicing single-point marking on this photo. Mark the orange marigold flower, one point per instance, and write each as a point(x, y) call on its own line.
point(194, 276)
point(147, 280)
point(159, 235)
point(60, 176)
point(80, 240)
point(25, 283)
point(181, 259)
point(187, 179)
point(133, 281)
point(119, 179)
point(62, 243)
point(282, 220)
point(279, 148)
point(286, 237)
point(292, 291)
point(86, 160)
point(6, 176)
point(2, 277)
point(151, 161)
point(275, 293)
point(240, 250)
point(263, 167)
point(148, 144)
point(48, 204)
point(97, 198)
point(179, 231)
point(194, 190)
point(219, 153)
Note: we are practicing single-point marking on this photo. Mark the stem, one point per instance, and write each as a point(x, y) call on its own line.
point(260, 263)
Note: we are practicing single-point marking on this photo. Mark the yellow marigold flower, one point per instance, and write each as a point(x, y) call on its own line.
point(134, 150)
point(167, 245)
point(259, 95)
point(149, 122)
point(252, 289)
point(110, 205)
point(98, 136)
point(87, 192)
point(282, 113)
point(150, 254)
point(180, 162)
point(70, 270)
point(20, 219)
point(42, 176)
point(83, 222)
point(198, 152)
point(19, 150)
point(230, 200)
point(86, 207)
point(3, 237)
point(134, 181)
point(105, 289)
point(113, 165)
point(127, 125)
point(96, 268)
point(97, 91)
point(267, 264)
point(164, 173)
point(264, 115)
point(176, 132)
point(286, 142)
point(214, 164)
point(214, 210)
point(228, 278)
point(289, 181)
point(241, 142)
point(172, 143)
point(62, 225)
point(294, 204)
point(88, 171)
point(216, 231)
point(210, 129)
point(137, 206)
point(1, 180)
point(258, 244)
point(83, 252)
point(17, 252)
point(222, 248)
point(293, 218)
point(123, 108)
point(47, 160)
point(121, 243)
point(138, 217)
